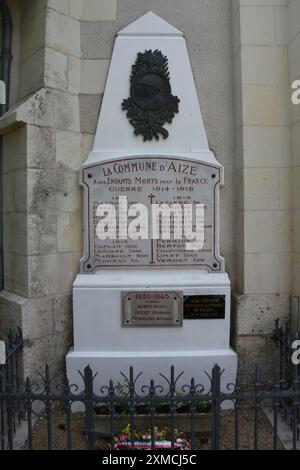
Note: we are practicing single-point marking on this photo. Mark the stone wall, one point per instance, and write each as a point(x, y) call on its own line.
point(263, 168)
point(42, 153)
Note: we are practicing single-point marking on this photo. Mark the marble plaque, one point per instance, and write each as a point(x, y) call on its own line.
point(151, 180)
point(144, 309)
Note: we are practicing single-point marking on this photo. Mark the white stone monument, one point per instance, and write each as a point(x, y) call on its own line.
point(151, 304)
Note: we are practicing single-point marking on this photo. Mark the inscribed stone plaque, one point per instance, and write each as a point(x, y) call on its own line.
point(204, 307)
point(146, 309)
point(151, 180)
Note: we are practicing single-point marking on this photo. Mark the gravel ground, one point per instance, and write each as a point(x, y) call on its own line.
point(246, 433)
point(59, 433)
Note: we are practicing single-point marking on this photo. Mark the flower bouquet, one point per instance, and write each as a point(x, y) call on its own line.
point(143, 440)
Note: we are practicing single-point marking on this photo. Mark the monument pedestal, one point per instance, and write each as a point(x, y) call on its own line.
point(101, 342)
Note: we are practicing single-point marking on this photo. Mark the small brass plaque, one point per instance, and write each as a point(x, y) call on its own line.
point(152, 309)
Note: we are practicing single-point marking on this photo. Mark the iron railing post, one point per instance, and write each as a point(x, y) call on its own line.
point(28, 407)
point(89, 408)
point(216, 407)
point(9, 409)
point(295, 406)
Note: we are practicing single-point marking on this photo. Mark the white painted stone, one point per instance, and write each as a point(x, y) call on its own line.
point(194, 365)
point(97, 312)
point(187, 133)
point(150, 25)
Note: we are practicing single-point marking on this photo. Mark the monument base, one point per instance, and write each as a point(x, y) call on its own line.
point(110, 364)
point(102, 342)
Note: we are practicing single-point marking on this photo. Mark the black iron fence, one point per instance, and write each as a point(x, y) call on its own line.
point(207, 423)
point(154, 415)
point(288, 370)
point(10, 382)
point(285, 341)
